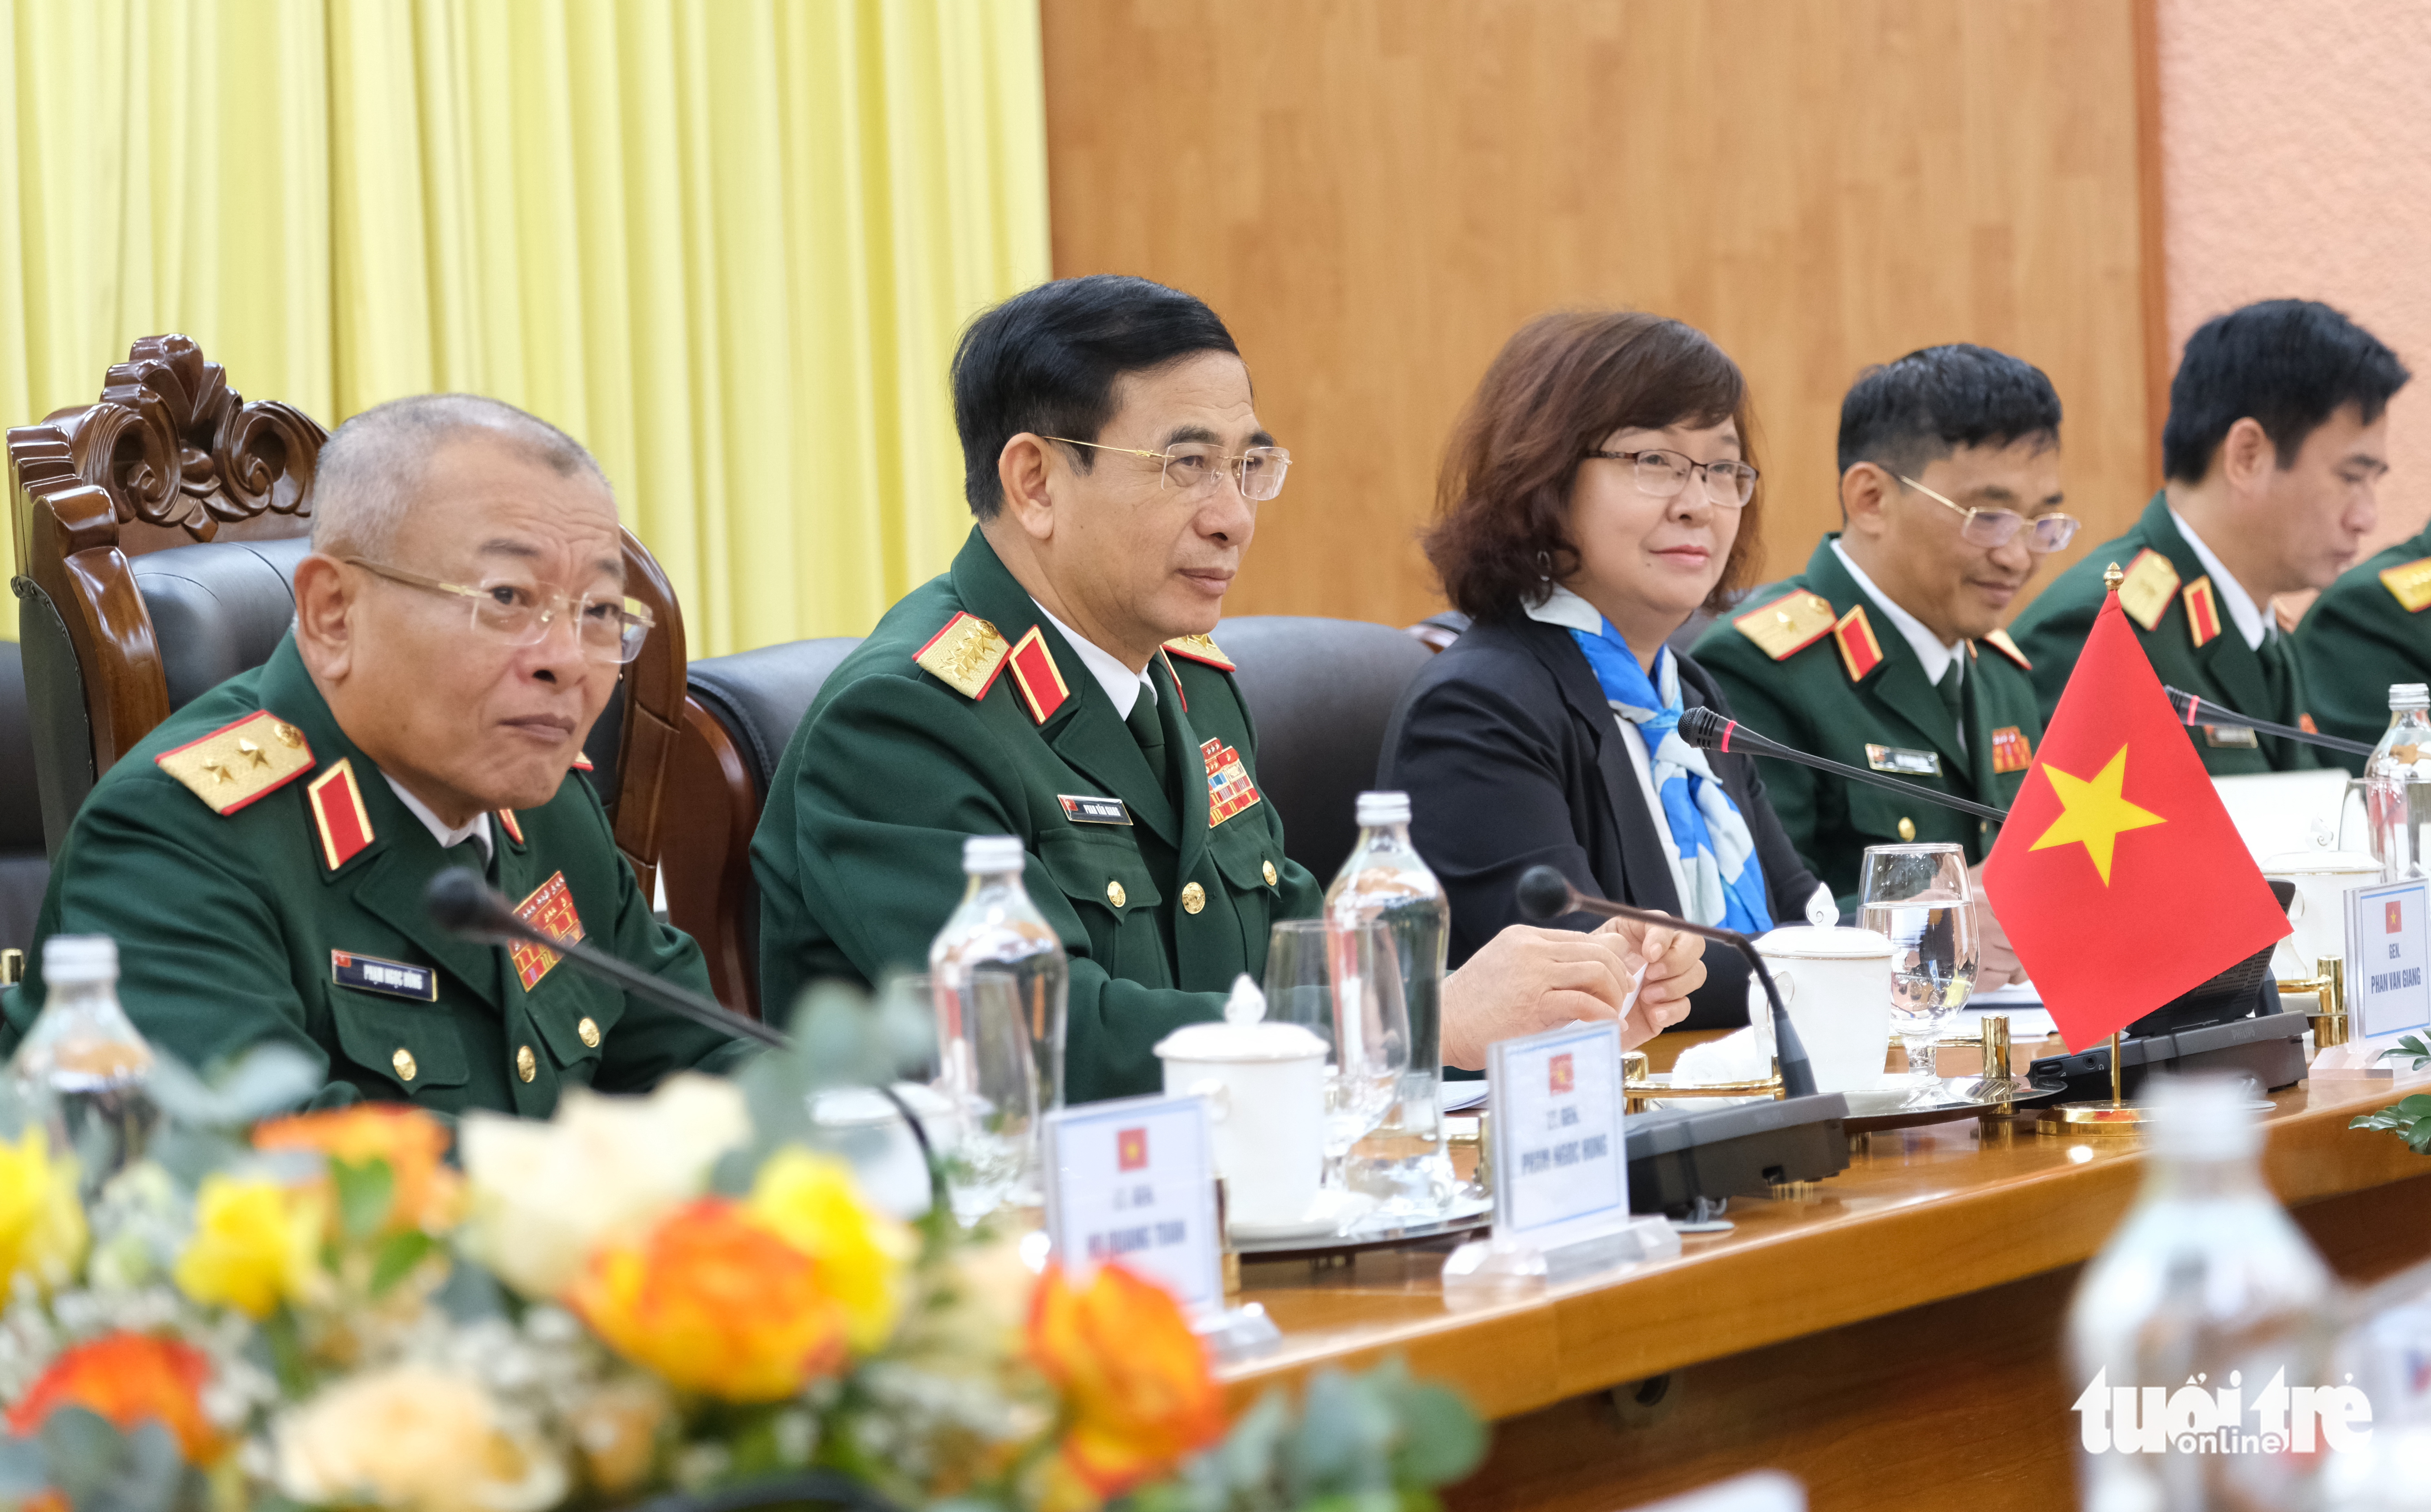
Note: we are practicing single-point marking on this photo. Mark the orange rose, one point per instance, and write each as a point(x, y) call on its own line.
point(1136, 1390)
point(412, 1142)
point(715, 1301)
point(128, 1378)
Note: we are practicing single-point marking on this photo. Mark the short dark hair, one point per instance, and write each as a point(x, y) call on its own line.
point(1045, 361)
point(2287, 363)
point(1559, 386)
point(1912, 411)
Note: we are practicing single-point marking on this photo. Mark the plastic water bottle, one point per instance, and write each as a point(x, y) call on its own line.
point(83, 1069)
point(1404, 1165)
point(2198, 1329)
point(1001, 983)
point(2397, 785)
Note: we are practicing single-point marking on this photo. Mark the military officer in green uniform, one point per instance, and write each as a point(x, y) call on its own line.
point(261, 856)
point(1058, 684)
point(2365, 632)
point(2277, 437)
point(1886, 653)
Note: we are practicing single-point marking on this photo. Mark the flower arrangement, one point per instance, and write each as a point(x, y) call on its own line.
point(682, 1294)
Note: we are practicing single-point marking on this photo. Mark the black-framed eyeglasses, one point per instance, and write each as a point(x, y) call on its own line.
point(1664, 474)
point(1994, 529)
point(609, 627)
point(1194, 467)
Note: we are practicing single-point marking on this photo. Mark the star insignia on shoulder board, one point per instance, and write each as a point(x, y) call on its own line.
point(240, 763)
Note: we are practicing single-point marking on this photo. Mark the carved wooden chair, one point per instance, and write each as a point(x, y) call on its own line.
point(157, 533)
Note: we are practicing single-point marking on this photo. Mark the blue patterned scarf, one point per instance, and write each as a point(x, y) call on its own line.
point(1717, 852)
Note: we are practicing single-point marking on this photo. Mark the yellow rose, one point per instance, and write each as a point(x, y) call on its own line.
point(42, 1219)
point(412, 1438)
point(255, 1245)
point(811, 1202)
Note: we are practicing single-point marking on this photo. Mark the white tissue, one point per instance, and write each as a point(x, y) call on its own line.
point(1739, 1057)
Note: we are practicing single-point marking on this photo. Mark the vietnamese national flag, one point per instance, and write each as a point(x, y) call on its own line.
point(2119, 877)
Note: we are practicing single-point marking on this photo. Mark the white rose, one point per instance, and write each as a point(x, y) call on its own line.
point(413, 1439)
point(542, 1196)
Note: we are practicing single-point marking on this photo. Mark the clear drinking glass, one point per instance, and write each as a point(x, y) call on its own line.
point(1343, 984)
point(1920, 897)
point(987, 1133)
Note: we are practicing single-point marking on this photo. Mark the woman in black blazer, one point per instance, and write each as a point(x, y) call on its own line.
point(1598, 491)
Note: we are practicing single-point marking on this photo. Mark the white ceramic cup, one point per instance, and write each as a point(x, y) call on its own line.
point(1836, 984)
point(1264, 1086)
point(2322, 879)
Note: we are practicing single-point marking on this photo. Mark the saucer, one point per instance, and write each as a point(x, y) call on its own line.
point(1333, 1212)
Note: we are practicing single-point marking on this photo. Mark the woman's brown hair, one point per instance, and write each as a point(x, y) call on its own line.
point(1559, 387)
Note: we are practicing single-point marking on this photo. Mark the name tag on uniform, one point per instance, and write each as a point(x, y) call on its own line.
point(1086, 810)
point(1906, 763)
point(396, 978)
point(2234, 736)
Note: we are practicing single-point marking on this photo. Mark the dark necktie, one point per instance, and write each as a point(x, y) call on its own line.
point(468, 855)
point(1948, 688)
point(1148, 730)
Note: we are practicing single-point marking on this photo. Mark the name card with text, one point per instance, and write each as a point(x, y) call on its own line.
point(1561, 1173)
point(2389, 945)
point(1134, 1181)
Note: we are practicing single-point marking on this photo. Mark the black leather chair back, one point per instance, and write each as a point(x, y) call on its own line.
point(760, 697)
point(1321, 692)
point(24, 867)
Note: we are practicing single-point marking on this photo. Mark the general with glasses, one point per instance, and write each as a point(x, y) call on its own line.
point(1887, 651)
point(261, 856)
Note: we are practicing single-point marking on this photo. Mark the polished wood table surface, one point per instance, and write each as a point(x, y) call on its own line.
point(1891, 1335)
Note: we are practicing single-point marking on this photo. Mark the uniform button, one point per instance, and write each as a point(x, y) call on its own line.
point(1907, 828)
point(1115, 894)
point(589, 1030)
point(1984, 825)
point(1270, 874)
point(403, 1061)
point(1194, 897)
point(527, 1066)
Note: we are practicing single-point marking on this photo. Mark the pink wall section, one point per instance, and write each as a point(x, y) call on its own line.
point(2296, 161)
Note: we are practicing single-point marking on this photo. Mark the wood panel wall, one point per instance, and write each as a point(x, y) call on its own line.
point(1375, 194)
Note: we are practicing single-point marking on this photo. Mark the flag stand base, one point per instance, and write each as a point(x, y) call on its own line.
point(2115, 1119)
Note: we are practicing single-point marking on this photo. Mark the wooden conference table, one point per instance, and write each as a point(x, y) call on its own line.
point(1893, 1339)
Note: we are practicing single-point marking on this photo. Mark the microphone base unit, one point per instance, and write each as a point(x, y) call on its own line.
point(2268, 1049)
point(1688, 1163)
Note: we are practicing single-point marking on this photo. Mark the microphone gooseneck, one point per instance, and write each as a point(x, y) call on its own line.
point(1706, 730)
point(1545, 893)
point(2195, 710)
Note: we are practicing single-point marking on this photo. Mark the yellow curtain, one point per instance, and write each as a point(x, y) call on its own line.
point(727, 243)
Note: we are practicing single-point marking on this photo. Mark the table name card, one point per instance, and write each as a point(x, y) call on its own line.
point(1133, 1181)
point(2389, 943)
point(1560, 1170)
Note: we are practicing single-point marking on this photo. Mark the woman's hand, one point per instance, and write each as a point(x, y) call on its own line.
point(1526, 979)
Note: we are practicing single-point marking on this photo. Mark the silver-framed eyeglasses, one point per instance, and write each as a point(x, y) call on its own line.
point(1194, 467)
point(1994, 529)
point(1662, 474)
point(608, 626)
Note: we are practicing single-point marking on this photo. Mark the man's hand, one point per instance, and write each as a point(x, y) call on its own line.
point(1528, 979)
point(1996, 964)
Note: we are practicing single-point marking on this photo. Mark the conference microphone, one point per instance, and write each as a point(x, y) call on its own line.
point(464, 905)
point(1707, 729)
point(1544, 894)
point(2199, 710)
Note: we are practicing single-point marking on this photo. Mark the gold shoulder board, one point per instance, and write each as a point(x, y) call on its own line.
point(965, 656)
point(1999, 641)
point(1200, 649)
point(1788, 624)
point(240, 763)
point(2150, 584)
point(2411, 584)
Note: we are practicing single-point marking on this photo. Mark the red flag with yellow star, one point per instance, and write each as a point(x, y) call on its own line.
point(2120, 879)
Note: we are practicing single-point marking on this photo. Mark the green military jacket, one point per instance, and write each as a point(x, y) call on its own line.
point(1816, 665)
point(2366, 631)
point(2189, 638)
point(858, 853)
point(238, 929)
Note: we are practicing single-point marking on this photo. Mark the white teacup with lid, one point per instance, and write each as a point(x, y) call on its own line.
point(1836, 984)
point(2319, 912)
point(1264, 1086)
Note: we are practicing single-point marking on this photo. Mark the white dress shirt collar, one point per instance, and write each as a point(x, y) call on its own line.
point(1122, 685)
point(1927, 646)
point(478, 829)
point(2242, 610)
point(1564, 607)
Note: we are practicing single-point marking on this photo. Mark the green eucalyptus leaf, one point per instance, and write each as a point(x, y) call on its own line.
point(396, 1258)
point(1442, 1440)
point(23, 1467)
point(365, 1190)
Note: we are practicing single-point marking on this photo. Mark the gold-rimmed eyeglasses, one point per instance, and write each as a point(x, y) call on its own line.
point(1994, 529)
point(608, 626)
point(1194, 467)
point(1662, 474)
